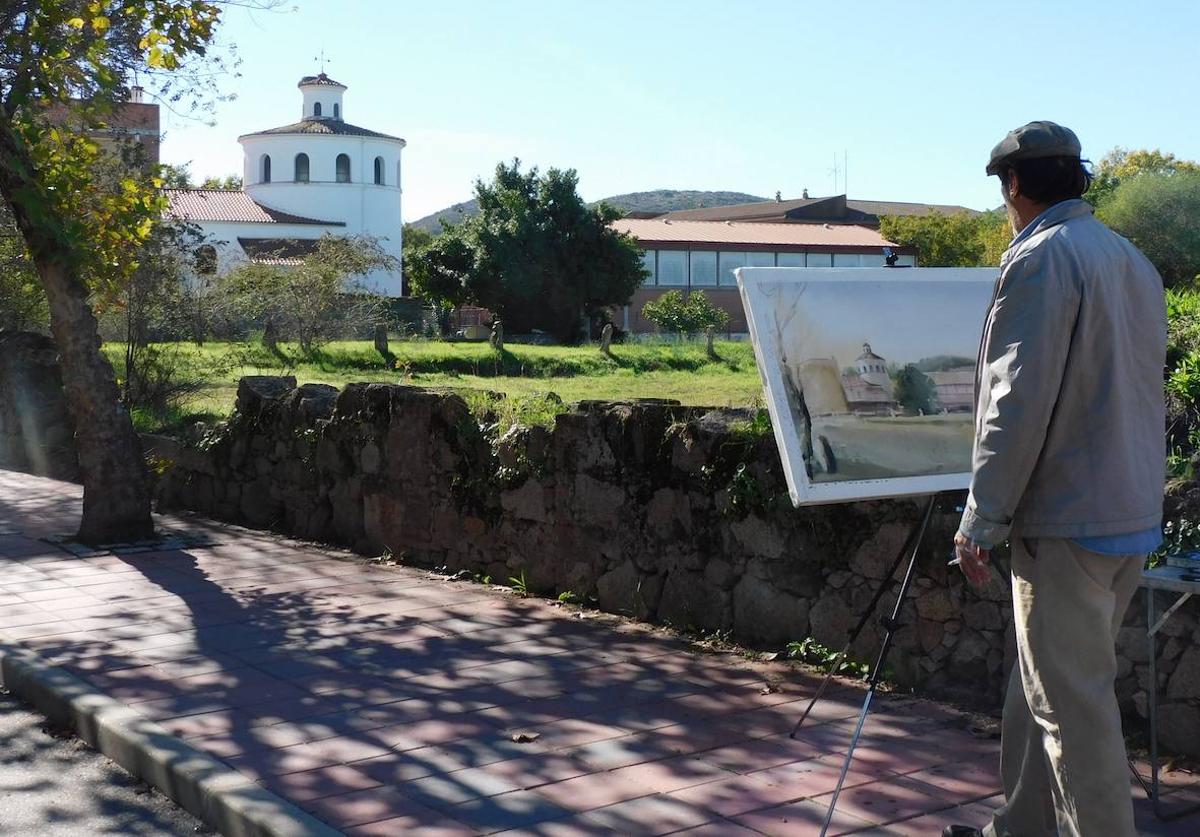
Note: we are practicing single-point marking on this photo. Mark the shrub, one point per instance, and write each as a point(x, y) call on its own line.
point(675, 313)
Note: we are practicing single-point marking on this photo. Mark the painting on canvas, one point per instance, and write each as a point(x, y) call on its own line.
point(869, 375)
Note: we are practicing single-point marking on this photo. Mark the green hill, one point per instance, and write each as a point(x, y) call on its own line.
point(658, 200)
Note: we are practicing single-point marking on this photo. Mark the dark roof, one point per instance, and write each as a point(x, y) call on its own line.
point(278, 251)
point(322, 80)
point(836, 210)
point(324, 126)
point(230, 205)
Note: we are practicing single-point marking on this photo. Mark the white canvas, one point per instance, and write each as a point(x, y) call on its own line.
point(869, 375)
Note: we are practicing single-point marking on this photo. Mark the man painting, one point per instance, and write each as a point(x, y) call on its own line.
point(1068, 466)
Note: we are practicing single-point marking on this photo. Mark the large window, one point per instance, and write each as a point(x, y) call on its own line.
point(758, 258)
point(871, 260)
point(648, 266)
point(847, 260)
point(819, 260)
point(672, 267)
point(343, 168)
point(729, 263)
point(264, 169)
point(301, 168)
point(704, 268)
point(378, 171)
point(317, 109)
point(791, 260)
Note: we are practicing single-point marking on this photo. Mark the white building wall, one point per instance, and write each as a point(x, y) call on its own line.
point(363, 206)
point(328, 95)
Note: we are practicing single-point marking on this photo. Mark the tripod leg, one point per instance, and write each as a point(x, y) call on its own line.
point(868, 612)
point(891, 623)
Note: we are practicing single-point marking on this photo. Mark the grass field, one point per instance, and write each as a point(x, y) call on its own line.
point(680, 371)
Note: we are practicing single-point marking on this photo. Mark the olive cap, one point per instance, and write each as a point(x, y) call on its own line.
point(1033, 141)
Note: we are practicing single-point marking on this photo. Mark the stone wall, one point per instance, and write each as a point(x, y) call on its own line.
point(669, 514)
point(37, 434)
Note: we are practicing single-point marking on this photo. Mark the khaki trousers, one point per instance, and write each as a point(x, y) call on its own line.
point(1062, 752)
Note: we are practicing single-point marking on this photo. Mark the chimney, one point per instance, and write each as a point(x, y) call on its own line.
point(805, 195)
point(136, 93)
point(778, 196)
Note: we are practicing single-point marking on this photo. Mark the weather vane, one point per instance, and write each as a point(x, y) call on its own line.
point(322, 59)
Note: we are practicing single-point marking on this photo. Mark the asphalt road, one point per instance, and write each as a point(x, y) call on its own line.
point(53, 786)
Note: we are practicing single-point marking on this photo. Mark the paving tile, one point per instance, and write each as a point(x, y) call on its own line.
point(976, 815)
point(323, 781)
point(649, 815)
point(801, 819)
point(887, 801)
point(739, 795)
point(520, 809)
point(367, 806)
point(384, 699)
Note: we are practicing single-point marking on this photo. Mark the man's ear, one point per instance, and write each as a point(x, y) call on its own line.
point(1013, 184)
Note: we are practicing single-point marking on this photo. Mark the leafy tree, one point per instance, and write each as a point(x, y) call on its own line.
point(959, 240)
point(1121, 165)
point(64, 65)
point(22, 300)
point(1160, 213)
point(321, 297)
point(674, 313)
point(229, 181)
point(543, 259)
point(438, 267)
point(995, 232)
point(915, 391)
point(175, 176)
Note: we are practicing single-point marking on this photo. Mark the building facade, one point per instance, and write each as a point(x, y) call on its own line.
point(702, 255)
point(320, 175)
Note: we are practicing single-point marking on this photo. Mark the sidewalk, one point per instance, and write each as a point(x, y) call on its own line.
point(389, 700)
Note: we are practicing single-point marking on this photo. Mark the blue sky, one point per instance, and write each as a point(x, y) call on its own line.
point(752, 96)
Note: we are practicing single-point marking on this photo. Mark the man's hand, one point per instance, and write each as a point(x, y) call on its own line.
point(973, 559)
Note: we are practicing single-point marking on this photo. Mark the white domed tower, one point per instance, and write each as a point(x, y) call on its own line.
point(872, 368)
point(324, 167)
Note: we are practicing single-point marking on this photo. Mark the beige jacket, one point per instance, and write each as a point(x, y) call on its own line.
point(1070, 415)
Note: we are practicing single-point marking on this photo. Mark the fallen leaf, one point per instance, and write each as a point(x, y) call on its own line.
point(523, 737)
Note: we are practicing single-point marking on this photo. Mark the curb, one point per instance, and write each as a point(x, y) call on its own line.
point(226, 800)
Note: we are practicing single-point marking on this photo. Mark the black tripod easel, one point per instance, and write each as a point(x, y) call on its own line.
point(911, 548)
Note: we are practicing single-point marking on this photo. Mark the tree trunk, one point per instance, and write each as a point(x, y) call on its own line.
point(116, 495)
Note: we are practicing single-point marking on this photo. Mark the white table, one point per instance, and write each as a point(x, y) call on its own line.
point(1186, 583)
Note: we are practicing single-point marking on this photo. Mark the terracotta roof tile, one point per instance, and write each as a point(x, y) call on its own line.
point(322, 80)
point(229, 205)
point(733, 232)
point(323, 126)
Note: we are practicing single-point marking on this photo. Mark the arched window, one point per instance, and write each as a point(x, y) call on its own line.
point(264, 175)
point(301, 168)
point(206, 259)
point(337, 111)
point(317, 109)
point(378, 171)
point(343, 168)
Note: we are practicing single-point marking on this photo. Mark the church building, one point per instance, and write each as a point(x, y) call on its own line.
point(300, 181)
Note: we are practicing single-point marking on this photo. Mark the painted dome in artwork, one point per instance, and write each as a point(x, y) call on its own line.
point(872, 368)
